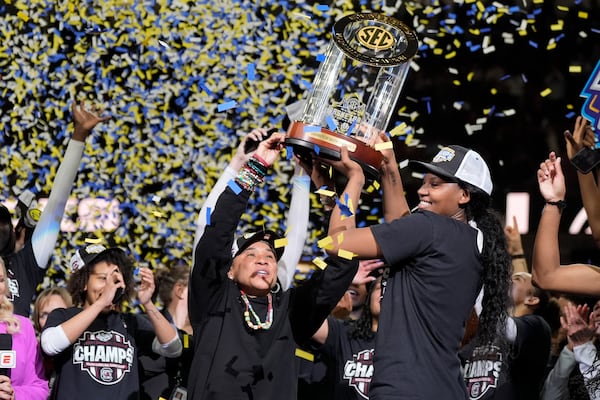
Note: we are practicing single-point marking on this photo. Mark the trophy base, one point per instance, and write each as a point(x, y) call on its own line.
point(306, 139)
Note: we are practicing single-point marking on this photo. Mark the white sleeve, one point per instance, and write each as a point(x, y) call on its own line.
point(556, 385)
point(510, 330)
point(171, 349)
point(586, 356)
point(209, 204)
point(43, 239)
point(297, 225)
point(54, 340)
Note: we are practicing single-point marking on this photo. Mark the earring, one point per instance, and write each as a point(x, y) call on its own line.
point(276, 288)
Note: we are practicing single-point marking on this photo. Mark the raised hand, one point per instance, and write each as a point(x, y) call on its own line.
point(582, 137)
point(575, 320)
point(346, 166)
point(551, 179)
point(241, 157)
point(146, 288)
point(85, 120)
point(269, 149)
point(365, 267)
point(513, 238)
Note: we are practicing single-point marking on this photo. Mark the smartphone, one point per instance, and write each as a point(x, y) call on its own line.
point(118, 295)
point(586, 159)
point(252, 145)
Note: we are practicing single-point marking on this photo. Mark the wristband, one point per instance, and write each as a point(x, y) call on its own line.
point(561, 204)
point(517, 256)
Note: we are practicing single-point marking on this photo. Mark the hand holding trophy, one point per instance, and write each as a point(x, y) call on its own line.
point(355, 89)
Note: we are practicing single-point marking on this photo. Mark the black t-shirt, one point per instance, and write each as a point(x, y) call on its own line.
point(353, 361)
point(102, 363)
point(428, 293)
point(23, 277)
point(159, 375)
point(491, 374)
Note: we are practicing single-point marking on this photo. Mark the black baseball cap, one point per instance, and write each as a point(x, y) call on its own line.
point(267, 236)
point(87, 255)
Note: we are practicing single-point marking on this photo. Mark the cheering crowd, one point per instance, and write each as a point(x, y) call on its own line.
point(433, 303)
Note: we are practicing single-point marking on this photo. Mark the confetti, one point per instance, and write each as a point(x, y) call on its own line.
point(305, 355)
point(184, 84)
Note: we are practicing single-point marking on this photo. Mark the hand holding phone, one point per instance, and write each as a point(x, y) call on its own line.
point(586, 159)
point(252, 144)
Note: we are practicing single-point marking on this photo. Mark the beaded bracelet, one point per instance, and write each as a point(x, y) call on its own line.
point(252, 173)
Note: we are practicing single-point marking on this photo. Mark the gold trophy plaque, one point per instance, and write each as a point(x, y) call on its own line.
point(355, 89)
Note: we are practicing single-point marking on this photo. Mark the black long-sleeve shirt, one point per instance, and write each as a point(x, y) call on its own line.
point(232, 361)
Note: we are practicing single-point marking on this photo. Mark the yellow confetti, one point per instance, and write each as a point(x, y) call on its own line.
point(325, 192)
point(305, 354)
point(574, 69)
point(326, 243)
point(281, 243)
point(399, 129)
point(384, 146)
point(319, 262)
point(583, 14)
point(348, 255)
point(545, 92)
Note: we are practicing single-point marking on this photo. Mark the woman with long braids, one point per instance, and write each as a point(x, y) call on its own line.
point(439, 258)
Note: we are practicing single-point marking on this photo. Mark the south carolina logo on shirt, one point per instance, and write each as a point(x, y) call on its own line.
point(106, 356)
point(359, 372)
point(482, 371)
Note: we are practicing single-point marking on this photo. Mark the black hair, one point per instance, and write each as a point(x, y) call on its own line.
point(7, 239)
point(79, 279)
point(497, 268)
point(362, 328)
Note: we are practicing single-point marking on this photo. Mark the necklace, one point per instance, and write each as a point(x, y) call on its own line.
point(249, 310)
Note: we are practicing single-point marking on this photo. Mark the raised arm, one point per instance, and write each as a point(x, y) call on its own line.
point(231, 171)
point(212, 254)
point(394, 198)
point(515, 247)
point(342, 226)
point(546, 269)
point(297, 225)
point(581, 138)
point(43, 239)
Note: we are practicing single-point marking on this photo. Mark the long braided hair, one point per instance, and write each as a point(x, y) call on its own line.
point(362, 328)
point(497, 268)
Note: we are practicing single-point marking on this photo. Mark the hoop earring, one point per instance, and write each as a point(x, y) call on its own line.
point(276, 288)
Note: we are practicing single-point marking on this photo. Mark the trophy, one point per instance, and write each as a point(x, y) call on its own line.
point(355, 89)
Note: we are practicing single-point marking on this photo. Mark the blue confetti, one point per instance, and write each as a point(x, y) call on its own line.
point(208, 211)
point(320, 57)
point(234, 186)
point(351, 129)
point(227, 105)
point(331, 123)
point(311, 128)
point(322, 7)
point(251, 72)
